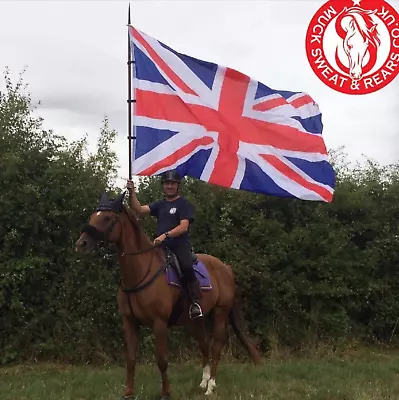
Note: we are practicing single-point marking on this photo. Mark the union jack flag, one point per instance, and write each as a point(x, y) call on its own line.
point(218, 125)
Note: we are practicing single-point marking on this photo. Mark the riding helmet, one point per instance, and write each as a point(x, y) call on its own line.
point(171, 175)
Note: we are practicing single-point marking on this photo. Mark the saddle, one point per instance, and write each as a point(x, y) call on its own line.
point(174, 272)
point(173, 262)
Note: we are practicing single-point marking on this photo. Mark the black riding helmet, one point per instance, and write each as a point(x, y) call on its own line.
point(171, 175)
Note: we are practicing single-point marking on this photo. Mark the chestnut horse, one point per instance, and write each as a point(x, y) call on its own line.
point(145, 298)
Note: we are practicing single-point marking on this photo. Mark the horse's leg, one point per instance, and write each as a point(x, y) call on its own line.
point(198, 330)
point(220, 318)
point(160, 330)
point(131, 334)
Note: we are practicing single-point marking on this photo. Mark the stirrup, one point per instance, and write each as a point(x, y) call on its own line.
point(191, 311)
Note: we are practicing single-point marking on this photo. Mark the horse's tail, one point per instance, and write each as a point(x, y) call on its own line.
point(237, 323)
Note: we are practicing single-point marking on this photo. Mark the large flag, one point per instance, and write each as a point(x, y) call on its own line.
point(218, 125)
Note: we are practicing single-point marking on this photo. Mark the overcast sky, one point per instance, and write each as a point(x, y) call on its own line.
point(76, 56)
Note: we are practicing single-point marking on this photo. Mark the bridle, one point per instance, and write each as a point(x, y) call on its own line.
point(99, 236)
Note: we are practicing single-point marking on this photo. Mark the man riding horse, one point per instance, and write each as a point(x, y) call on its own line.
point(174, 215)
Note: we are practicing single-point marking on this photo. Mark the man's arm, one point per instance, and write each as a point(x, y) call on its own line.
point(134, 202)
point(177, 231)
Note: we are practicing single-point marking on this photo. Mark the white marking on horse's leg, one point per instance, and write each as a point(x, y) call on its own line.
point(211, 385)
point(206, 374)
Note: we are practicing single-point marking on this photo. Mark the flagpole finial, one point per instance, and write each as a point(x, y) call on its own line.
point(128, 16)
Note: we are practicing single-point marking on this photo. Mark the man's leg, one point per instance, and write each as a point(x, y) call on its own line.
point(183, 253)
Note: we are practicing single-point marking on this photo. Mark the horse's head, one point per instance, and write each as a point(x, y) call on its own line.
point(103, 226)
point(359, 33)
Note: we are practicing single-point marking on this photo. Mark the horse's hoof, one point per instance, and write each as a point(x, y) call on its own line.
point(165, 397)
point(211, 386)
point(131, 397)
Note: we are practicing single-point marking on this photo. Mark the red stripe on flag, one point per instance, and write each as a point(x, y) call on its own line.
point(281, 101)
point(292, 175)
point(285, 138)
point(269, 104)
point(177, 155)
point(170, 107)
point(301, 101)
point(226, 122)
point(161, 64)
point(231, 102)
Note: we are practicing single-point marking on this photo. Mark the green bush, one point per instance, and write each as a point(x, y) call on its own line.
point(309, 273)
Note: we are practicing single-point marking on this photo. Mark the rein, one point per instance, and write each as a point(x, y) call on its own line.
point(140, 286)
point(97, 235)
point(135, 253)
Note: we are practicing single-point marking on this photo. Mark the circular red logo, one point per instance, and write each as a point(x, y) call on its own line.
point(353, 45)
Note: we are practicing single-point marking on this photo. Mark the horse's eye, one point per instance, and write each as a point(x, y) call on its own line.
point(107, 218)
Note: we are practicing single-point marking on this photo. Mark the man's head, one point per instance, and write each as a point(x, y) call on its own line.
point(170, 181)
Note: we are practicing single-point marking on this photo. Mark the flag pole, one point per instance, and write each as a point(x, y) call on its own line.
point(130, 101)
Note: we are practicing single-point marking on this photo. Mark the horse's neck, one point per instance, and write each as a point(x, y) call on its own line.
point(135, 267)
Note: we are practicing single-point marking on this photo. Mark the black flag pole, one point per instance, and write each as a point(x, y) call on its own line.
point(130, 101)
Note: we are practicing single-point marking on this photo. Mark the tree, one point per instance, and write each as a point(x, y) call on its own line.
point(308, 273)
point(49, 189)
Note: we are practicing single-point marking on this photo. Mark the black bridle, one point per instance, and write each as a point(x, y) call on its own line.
point(99, 236)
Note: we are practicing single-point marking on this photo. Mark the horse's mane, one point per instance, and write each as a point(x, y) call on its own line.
point(134, 222)
point(364, 23)
point(140, 235)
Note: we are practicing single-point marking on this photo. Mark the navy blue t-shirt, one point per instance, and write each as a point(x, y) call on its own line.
point(169, 214)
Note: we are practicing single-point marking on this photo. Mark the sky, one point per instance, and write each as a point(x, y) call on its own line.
point(76, 52)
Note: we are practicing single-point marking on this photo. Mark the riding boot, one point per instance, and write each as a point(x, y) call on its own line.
point(194, 292)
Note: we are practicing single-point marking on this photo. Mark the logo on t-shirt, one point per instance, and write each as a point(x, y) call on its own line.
point(172, 210)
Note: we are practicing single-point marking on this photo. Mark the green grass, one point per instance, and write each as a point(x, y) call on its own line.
point(362, 377)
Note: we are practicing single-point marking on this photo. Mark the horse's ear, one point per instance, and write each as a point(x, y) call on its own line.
point(104, 198)
point(118, 202)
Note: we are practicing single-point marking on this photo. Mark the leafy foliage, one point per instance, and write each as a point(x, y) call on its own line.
point(309, 273)
point(49, 188)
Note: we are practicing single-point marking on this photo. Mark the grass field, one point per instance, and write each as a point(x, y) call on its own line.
point(361, 377)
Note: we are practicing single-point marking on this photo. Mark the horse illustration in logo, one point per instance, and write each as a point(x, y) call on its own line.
point(360, 37)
